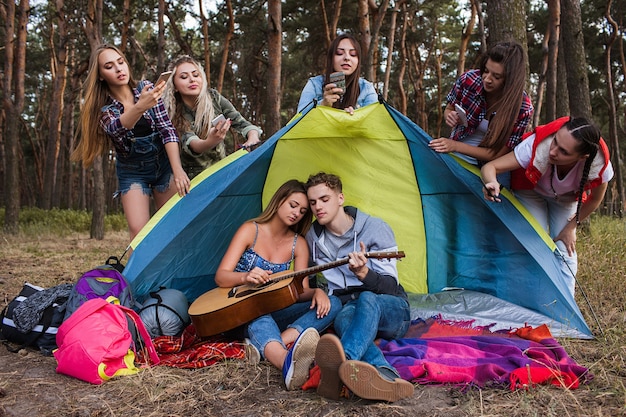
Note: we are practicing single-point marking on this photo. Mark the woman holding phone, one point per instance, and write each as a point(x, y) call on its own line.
point(202, 116)
point(133, 117)
point(343, 56)
point(488, 109)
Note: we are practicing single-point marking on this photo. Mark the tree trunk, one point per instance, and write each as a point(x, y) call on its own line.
point(93, 29)
point(402, 99)
point(274, 46)
point(554, 8)
point(506, 20)
point(364, 29)
point(13, 103)
point(160, 38)
point(226, 44)
point(465, 38)
point(371, 62)
point(98, 212)
point(613, 140)
point(330, 29)
point(206, 46)
point(59, 81)
point(390, 44)
point(562, 96)
point(575, 59)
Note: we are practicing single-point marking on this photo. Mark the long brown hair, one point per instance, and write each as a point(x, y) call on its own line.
point(92, 138)
point(352, 91)
point(511, 56)
point(279, 197)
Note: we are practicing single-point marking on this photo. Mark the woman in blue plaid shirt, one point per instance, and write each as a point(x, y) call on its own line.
point(133, 117)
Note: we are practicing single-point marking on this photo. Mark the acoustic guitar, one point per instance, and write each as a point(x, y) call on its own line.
point(223, 309)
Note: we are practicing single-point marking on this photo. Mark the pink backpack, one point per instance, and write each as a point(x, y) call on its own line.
point(96, 342)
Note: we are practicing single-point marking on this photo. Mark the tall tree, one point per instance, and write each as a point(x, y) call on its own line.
point(226, 45)
point(466, 36)
point(506, 20)
point(93, 30)
point(390, 47)
point(59, 52)
point(575, 58)
point(274, 52)
point(371, 62)
point(613, 140)
point(206, 49)
point(13, 104)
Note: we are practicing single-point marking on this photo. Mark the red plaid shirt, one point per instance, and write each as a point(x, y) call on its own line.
point(468, 93)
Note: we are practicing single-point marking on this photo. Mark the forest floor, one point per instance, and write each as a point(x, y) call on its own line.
point(29, 385)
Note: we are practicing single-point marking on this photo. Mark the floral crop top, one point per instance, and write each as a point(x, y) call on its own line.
point(249, 259)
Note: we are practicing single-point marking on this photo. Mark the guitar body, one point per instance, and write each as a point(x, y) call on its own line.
point(223, 309)
point(217, 311)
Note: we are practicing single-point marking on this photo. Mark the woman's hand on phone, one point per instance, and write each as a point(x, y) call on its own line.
point(331, 94)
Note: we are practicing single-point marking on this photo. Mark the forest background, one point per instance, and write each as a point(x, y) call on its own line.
point(259, 55)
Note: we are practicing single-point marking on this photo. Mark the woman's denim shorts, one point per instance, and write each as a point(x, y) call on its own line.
point(146, 167)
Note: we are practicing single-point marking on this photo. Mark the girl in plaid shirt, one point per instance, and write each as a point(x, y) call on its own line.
point(133, 117)
point(497, 108)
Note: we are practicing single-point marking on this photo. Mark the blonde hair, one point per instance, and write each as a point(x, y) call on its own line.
point(204, 111)
point(92, 138)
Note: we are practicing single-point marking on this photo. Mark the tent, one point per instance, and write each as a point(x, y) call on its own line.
point(466, 258)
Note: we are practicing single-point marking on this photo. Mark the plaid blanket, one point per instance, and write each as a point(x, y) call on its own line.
point(190, 351)
point(442, 352)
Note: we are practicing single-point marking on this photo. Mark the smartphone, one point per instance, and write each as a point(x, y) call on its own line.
point(163, 77)
point(339, 79)
point(217, 120)
point(462, 114)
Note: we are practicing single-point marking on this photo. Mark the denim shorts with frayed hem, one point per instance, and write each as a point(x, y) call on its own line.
point(147, 166)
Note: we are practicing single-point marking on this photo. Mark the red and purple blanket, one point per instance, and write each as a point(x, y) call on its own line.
point(436, 351)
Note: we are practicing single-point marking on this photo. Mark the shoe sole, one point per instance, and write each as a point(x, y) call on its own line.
point(329, 356)
point(253, 357)
point(303, 356)
point(364, 380)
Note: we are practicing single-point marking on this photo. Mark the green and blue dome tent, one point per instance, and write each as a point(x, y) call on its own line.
point(466, 258)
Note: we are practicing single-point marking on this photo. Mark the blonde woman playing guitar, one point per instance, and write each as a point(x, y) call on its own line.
point(267, 244)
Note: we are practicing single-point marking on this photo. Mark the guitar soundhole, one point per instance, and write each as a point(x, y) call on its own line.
point(253, 290)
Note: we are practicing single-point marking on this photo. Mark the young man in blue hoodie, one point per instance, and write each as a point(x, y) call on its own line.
point(375, 304)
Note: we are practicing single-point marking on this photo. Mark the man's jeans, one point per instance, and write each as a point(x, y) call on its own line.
point(368, 317)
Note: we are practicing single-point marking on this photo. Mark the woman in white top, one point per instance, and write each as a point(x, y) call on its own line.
point(565, 170)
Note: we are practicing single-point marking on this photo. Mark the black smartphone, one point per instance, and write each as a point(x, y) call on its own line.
point(339, 79)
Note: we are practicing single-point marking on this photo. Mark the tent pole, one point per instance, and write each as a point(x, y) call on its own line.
point(582, 291)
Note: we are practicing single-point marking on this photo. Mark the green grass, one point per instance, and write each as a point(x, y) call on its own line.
point(36, 221)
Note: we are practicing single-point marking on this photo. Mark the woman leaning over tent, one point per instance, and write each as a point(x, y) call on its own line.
point(497, 109)
point(343, 55)
point(192, 106)
point(562, 171)
point(133, 117)
point(270, 243)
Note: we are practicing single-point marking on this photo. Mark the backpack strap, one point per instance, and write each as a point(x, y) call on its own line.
point(143, 332)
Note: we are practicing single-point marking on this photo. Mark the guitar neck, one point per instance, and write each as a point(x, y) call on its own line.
point(319, 268)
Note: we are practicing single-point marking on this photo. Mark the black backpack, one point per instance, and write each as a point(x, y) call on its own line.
point(33, 317)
